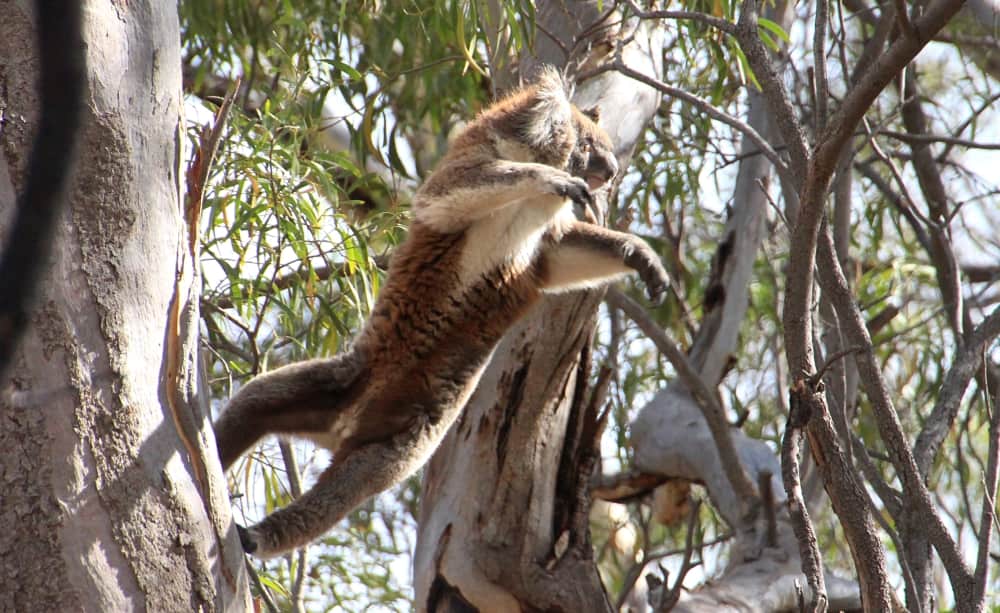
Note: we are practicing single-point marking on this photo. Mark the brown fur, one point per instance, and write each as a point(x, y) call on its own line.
point(492, 231)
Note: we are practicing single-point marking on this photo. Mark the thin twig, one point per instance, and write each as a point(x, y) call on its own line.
point(908, 199)
point(707, 108)
point(964, 367)
point(935, 138)
point(816, 378)
point(983, 107)
point(819, 62)
point(773, 204)
point(295, 487)
point(988, 519)
point(877, 75)
point(262, 591)
point(670, 598)
point(718, 23)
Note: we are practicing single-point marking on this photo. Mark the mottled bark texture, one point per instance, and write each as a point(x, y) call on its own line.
point(106, 505)
point(503, 522)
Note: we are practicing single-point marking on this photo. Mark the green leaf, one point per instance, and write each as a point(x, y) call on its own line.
point(773, 28)
point(744, 66)
point(367, 127)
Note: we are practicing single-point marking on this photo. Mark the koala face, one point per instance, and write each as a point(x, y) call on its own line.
point(593, 158)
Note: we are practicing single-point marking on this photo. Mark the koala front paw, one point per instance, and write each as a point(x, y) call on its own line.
point(645, 261)
point(575, 189)
point(656, 281)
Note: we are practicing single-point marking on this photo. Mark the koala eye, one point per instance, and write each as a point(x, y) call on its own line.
point(587, 145)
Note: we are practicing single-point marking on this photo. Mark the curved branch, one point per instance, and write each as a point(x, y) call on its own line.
point(765, 148)
point(716, 22)
point(880, 73)
point(707, 401)
point(915, 492)
point(968, 361)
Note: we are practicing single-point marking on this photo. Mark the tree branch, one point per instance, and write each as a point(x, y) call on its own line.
point(819, 62)
point(967, 362)
point(886, 417)
point(791, 447)
point(917, 139)
point(880, 73)
point(707, 401)
point(705, 107)
point(774, 91)
point(719, 24)
point(988, 517)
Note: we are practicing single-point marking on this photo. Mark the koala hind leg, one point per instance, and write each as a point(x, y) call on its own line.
point(299, 398)
point(346, 483)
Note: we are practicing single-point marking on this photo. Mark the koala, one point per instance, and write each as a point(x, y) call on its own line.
point(492, 231)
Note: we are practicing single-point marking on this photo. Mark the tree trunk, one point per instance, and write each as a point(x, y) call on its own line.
point(113, 499)
point(503, 521)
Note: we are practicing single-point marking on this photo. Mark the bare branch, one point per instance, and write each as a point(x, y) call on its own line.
point(966, 363)
point(720, 24)
point(897, 200)
point(935, 138)
point(295, 487)
point(880, 72)
point(849, 499)
point(707, 108)
point(819, 62)
point(707, 401)
point(791, 448)
point(988, 518)
point(670, 598)
point(983, 107)
point(774, 91)
point(886, 417)
point(932, 186)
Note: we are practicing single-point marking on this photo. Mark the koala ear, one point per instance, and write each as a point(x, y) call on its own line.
point(594, 113)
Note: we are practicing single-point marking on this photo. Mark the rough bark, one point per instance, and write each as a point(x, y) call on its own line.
point(107, 498)
point(503, 522)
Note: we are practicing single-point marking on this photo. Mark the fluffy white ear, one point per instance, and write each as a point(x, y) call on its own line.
point(552, 105)
point(550, 82)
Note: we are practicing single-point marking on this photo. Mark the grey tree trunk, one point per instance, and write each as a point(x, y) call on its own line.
point(503, 521)
point(112, 496)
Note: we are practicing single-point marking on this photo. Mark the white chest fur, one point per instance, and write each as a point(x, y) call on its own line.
point(511, 236)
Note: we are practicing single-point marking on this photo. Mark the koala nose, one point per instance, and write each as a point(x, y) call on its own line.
point(612, 167)
point(600, 170)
